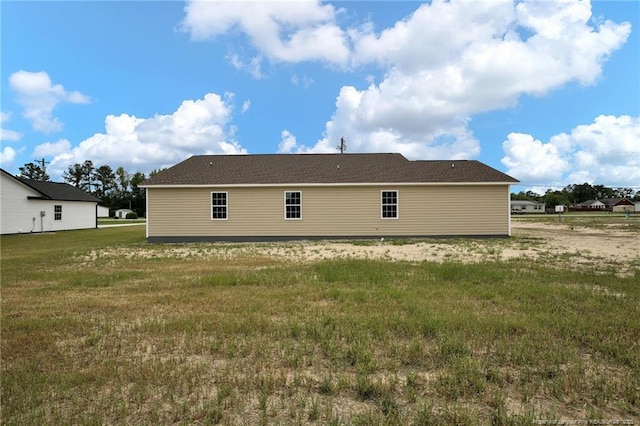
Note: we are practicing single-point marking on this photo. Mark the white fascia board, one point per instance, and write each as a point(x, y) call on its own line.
point(283, 185)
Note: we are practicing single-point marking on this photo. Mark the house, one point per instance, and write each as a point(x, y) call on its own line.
point(590, 205)
point(103, 211)
point(527, 207)
point(617, 205)
point(309, 196)
point(36, 206)
point(122, 213)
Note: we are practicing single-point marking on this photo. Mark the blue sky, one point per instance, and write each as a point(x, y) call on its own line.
point(547, 92)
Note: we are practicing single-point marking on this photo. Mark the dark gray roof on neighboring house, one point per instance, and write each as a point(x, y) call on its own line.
point(609, 202)
point(525, 203)
point(322, 169)
point(55, 191)
point(589, 203)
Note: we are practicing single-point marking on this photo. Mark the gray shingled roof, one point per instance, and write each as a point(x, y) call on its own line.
point(56, 191)
point(610, 202)
point(271, 169)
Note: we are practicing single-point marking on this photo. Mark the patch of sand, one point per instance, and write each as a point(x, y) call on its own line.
point(555, 244)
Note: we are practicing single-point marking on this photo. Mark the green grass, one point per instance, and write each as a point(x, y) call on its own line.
point(595, 220)
point(114, 221)
point(100, 327)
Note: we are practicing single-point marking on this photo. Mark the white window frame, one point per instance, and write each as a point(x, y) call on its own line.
point(382, 205)
point(288, 205)
point(225, 205)
point(57, 212)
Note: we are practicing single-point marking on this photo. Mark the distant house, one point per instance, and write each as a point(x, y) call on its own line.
point(527, 207)
point(103, 211)
point(618, 205)
point(307, 196)
point(122, 213)
point(36, 206)
point(591, 205)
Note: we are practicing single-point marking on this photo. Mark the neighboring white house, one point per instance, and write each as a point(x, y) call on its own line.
point(592, 205)
point(103, 211)
point(528, 207)
point(122, 213)
point(35, 206)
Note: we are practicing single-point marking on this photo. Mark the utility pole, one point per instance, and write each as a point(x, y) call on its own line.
point(343, 146)
point(43, 164)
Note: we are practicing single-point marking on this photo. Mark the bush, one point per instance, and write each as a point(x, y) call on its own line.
point(131, 215)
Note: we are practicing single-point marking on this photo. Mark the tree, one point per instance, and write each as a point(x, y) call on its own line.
point(33, 172)
point(80, 175)
point(526, 196)
point(579, 193)
point(138, 195)
point(154, 172)
point(123, 179)
point(627, 193)
point(556, 198)
point(105, 181)
point(603, 192)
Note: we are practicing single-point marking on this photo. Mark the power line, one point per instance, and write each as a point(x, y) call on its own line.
point(43, 163)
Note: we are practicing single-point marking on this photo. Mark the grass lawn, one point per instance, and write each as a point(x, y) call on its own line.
point(94, 332)
point(601, 220)
point(114, 221)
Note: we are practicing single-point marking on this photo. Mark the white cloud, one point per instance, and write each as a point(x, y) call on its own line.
point(532, 161)
point(38, 96)
point(7, 155)
point(442, 65)
point(288, 143)
point(253, 66)
point(369, 124)
point(304, 82)
point(246, 105)
point(49, 149)
point(284, 31)
point(6, 134)
point(143, 144)
point(603, 152)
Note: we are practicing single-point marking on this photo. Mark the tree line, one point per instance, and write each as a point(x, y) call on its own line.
point(117, 189)
point(576, 194)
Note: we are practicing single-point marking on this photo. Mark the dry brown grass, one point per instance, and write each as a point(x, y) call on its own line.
point(109, 329)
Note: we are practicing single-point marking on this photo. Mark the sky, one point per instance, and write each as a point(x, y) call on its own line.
point(546, 92)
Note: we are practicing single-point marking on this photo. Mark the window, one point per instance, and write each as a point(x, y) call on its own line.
point(389, 204)
point(57, 212)
point(218, 205)
point(293, 205)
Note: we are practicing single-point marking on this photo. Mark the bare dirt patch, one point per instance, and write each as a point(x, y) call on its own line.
point(556, 244)
point(584, 246)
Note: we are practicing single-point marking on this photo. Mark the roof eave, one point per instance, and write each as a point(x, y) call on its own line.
point(254, 185)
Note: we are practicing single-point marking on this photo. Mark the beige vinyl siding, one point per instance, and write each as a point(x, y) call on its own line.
point(331, 211)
